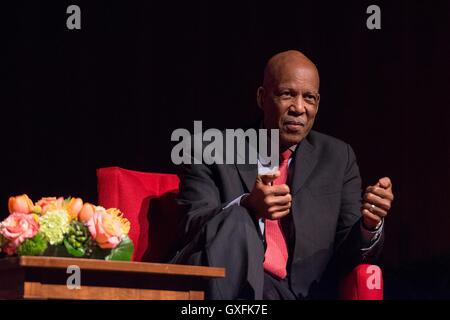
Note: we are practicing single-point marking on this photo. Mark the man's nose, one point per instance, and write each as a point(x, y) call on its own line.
point(298, 105)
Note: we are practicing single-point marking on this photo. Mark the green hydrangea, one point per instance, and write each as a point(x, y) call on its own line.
point(34, 246)
point(54, 224)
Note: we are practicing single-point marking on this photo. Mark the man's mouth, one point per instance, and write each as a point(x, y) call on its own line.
point(294, 125)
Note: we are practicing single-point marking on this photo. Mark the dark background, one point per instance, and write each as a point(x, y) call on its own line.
point(111, 94)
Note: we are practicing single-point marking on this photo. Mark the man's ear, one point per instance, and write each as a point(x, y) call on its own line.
point(260, 97)
point(318, 102)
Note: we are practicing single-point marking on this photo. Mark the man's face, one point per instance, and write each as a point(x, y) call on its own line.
point(290, 101)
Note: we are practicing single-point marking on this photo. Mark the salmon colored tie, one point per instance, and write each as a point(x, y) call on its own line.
point(276, 256)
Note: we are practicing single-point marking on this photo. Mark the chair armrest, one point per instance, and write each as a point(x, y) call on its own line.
point(365, 282)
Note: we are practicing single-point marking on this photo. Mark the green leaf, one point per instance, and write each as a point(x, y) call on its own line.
point(123, 251)
point(76, 252)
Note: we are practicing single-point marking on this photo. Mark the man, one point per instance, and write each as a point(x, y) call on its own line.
point(291, 233)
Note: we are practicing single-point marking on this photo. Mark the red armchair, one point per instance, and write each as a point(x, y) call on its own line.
point(147, 199)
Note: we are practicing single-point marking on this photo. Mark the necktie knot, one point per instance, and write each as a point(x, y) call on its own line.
point(285, 155)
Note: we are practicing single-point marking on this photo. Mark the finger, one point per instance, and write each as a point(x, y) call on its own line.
point(372, 217)
point(382, 193)
point(278, 215)
point(278, 200)
point(267, 179)
point(385, 183)
point(275, 209)
point(377, 201)
point(375, 210)
point(279, 190)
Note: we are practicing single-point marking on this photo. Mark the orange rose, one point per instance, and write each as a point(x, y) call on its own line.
point(20, 204)
point(86, 212)
point(107, 228)
point(74, 207)
point(50, 203)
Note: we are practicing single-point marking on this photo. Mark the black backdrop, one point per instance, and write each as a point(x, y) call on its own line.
point(113, 92)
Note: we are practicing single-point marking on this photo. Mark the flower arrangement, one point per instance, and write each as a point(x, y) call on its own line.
point(64, 228)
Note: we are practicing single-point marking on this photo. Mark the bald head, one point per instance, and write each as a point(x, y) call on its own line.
point(284, 62)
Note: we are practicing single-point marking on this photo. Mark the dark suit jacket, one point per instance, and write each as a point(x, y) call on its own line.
point(324, 225)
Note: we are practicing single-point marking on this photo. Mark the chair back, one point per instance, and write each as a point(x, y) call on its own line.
point(148, 201)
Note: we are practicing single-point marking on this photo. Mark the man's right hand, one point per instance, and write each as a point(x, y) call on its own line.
point(267, 200)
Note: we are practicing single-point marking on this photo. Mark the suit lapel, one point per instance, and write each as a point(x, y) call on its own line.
point(248, 173)
point(305, 160)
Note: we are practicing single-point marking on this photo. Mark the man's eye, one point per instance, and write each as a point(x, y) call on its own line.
point(285, 94)
point(310, 98)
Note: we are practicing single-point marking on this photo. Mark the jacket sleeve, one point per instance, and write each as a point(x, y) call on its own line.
point(198, 200)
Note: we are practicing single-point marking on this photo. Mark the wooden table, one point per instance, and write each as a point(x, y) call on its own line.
point(46, 278)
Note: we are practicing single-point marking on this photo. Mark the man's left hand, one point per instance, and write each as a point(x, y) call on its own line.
point(376, 203)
